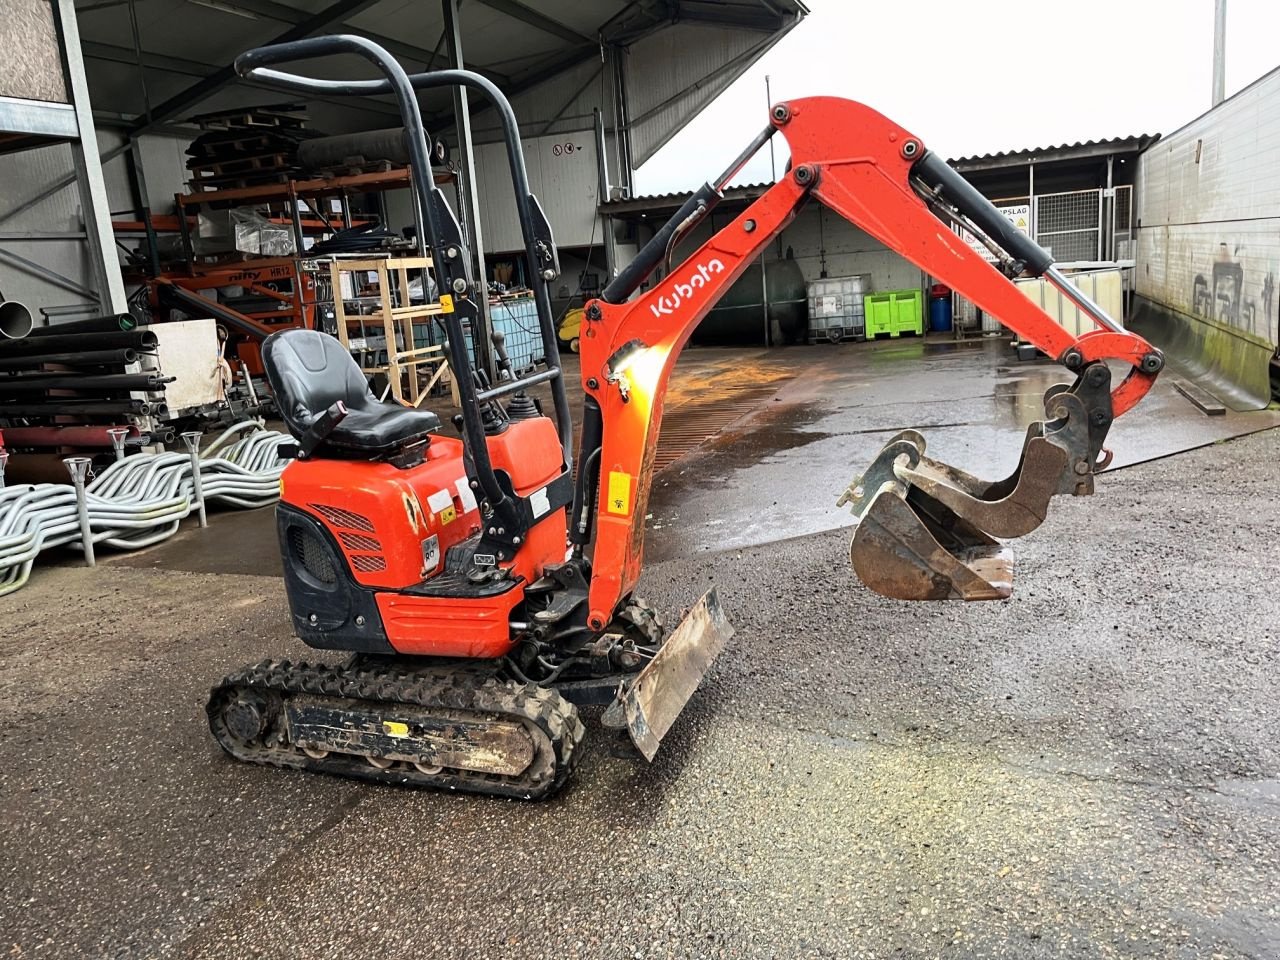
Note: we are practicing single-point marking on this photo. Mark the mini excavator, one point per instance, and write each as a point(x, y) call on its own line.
point(484, 589)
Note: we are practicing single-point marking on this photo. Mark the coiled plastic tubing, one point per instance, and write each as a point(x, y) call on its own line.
point(139, 500)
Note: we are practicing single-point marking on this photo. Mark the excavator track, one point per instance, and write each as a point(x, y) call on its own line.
point(463, 729)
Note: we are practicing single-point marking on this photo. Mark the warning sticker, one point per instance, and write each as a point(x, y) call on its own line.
point(441, 504)
point(446, 303)
point(619, 493)
point(539, 502)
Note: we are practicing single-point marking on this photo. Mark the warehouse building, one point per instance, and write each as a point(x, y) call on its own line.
point(598, 89)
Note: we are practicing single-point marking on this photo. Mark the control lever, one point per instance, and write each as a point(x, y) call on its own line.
point(499, 348)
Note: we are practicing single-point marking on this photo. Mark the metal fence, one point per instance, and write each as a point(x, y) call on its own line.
point(1070, 225)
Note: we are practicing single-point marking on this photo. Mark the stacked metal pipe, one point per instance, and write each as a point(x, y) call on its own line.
point(138, 500)
point(89, 370)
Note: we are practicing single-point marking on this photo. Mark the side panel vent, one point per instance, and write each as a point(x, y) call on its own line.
point(367, 564)
point(343, 518)
point(356, 541)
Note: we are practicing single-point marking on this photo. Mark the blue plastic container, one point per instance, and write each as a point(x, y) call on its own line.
point(940, 314)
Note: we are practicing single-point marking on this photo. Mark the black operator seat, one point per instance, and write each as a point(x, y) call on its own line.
point(309, 371)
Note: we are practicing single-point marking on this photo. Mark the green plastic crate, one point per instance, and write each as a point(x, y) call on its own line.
point(894, 312)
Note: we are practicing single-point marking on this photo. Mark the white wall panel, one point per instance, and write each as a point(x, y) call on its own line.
point(1208, 214)
point(562, 174)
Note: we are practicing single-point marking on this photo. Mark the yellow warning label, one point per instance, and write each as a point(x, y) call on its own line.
point(394, 728)
point(619, 493)
point(446, 303)
point(448, 514)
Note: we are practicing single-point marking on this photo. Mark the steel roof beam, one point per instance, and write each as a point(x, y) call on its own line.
point(272, 10)
point(540, 21)
point(181, 102)
point(110, 53)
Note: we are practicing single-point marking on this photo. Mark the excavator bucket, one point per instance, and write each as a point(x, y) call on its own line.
point(649, 704)
point(927, 530)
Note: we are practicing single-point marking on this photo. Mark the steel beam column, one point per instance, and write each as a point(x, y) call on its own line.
point(467, 174)
point(93, 190)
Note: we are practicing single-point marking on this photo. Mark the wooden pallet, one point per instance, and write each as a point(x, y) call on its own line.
point(272, 162)
point(240, 181)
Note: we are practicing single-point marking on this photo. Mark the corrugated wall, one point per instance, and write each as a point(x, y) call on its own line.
point(28, 173)
point(1208, 215)
point(673, 74)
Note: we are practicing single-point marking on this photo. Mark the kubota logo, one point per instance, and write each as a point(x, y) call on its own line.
point(681, 292)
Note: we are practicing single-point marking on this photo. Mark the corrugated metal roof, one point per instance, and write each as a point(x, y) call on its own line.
point(1062, 151)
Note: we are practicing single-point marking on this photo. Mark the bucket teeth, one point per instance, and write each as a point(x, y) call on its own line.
point(926, 530)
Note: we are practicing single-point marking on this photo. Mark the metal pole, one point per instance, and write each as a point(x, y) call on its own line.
point(1219, 52)
point(192, 439)
point(93, 190)
point(764, 291)
point(602, 187)
point(481, 339)
point(78, 467)
point(773, 163)
point(1031, 202)
point(1110, 195)
point(117, 435)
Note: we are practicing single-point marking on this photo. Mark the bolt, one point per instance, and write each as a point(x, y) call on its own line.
point(515, 540)
point(359, 621)
point(593, 311)
point(475, 484)
point(548, 274)
point(1073, 359)
point(781, 113)
point(313, 619)
point(749, 226)
point(452, 253)
point(803, 174)
point(910, 148)
point(1097, 375)
point(493, 530)
point(1082, 467)
point(1152, 362)
point(460, 285)
point(501, 531)
point(593, 383)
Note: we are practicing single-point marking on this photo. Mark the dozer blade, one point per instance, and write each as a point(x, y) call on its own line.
point(649, 704)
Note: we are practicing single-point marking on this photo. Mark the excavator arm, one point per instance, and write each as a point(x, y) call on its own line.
point(925, 530)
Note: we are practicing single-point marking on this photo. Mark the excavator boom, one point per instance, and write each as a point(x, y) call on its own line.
point(925, 530)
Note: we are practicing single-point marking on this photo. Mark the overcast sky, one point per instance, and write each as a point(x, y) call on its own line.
point(975, 76)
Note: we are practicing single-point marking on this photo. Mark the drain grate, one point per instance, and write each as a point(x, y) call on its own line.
point(692, 423)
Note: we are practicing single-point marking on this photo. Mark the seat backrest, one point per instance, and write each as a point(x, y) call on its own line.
point(309, 371)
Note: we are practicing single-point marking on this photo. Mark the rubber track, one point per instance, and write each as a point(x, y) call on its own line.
point(459, 694)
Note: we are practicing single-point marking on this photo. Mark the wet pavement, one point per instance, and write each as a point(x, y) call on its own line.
point(779, 471)
point(1089, 769)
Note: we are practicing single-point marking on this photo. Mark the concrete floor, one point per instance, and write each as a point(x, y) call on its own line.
point(1089, 769)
